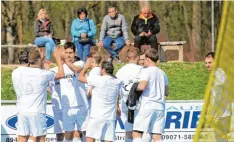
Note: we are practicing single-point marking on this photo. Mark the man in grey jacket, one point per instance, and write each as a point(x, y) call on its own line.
point(114, 30)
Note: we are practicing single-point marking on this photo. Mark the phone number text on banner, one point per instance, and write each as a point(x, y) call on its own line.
point(181, 120)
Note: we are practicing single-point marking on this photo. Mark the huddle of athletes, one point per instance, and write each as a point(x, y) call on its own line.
point(87, 98)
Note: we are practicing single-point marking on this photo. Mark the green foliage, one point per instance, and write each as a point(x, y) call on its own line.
point(176, 20)
point(187, 81)
point(7, 90)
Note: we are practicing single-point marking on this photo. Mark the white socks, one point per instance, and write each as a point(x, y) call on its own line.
point(30, 140)
point(76, 139)
point(137, 140)
point(146, 137)
point(68, 140)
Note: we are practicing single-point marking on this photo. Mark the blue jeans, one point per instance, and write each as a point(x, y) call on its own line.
point(48, 43)
point(82, 49)
point(119, 41)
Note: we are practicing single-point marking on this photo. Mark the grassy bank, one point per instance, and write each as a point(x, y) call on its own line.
point(187, 81)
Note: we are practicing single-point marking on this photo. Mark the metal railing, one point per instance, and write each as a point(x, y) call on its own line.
point(10, 102)
point(13, 102)
point(19, 46)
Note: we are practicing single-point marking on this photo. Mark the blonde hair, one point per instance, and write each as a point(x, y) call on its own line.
point(96, 56)
point(33, 56)
point(40, 12)
point(133, 52)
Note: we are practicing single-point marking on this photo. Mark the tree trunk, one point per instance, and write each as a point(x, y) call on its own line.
point(186, 22)
point(19, 28)
point(67, 24)
point(10, 41)
point(196, 29)
point(103, 9)
point(10, 11)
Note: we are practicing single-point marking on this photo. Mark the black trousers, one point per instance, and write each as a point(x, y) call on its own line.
point(151, 40)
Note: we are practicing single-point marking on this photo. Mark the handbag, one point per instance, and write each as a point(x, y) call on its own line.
point(86, 39)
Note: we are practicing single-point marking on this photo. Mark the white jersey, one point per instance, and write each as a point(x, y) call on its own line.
point(221, 96)
point(72, 90)
point(104, 95)
point(153, 97)
point(55, 91)
point(30, 85)
point(96, 71)
point(129, 74)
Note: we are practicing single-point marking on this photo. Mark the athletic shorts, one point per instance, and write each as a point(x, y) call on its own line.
point(75, 116)
point(58, 121)
point(151, 121)
point(31, 124)
point(100, 129)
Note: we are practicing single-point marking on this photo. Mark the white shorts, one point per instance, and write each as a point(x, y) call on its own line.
point(58, 121)
point(31, 124)
point(100, 129)
point(75, 116)
point(151, 121)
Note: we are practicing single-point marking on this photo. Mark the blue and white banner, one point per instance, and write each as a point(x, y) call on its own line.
point(181, 120)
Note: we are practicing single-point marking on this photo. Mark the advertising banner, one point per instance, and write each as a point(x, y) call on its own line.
point(181, 120)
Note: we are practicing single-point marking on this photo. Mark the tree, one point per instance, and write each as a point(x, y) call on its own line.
point(196, 29)
point(179, 20)
point(10, 11)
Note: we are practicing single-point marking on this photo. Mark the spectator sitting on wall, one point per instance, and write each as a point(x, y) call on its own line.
point(114, 30)
point(83, 30)
point(144, 27)
point(43, 33)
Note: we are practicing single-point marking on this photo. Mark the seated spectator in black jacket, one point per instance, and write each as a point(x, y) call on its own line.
point(43, 33)
point(145, 26)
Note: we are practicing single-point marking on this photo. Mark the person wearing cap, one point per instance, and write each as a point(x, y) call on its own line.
point(23, 57)
point(30, 84)
point(23, 60)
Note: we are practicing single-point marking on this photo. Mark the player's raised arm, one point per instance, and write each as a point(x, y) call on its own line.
point(74, 68)
point(70, 49)
point(87, 66)
point(59, 57)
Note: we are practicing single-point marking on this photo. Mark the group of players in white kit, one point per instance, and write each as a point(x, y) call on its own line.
point(86, 106)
